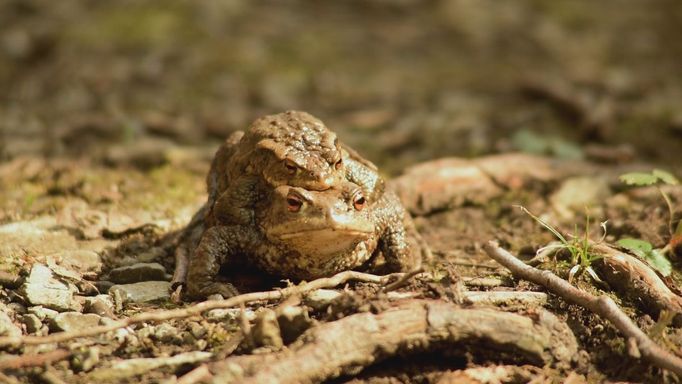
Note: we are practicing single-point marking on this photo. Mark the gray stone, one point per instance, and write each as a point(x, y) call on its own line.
point(43, 313)
point(102, 305)
point(229, 314)
point(133, 367)
point(41, 288)
point(146, 291)
point(74, 321)
point(137, 272)
point(578, 193)
point(7, 327)
point(103, 286)
point(81, 260)
point(167, 333)
point(443, 183)
point(321, 298)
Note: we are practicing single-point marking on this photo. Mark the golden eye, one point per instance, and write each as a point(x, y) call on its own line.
point(359, 202)
point(290, 166)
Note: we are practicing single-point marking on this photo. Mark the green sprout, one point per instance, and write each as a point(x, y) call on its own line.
point(642, 248)
point(578, 246)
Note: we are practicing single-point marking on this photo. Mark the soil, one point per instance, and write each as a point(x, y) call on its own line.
point(112, 112)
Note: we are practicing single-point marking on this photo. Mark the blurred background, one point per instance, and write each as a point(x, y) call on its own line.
point(401, 81)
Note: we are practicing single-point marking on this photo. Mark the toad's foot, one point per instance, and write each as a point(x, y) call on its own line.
point(226, 290)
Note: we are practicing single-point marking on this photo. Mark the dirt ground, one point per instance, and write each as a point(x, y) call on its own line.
point(111, 113)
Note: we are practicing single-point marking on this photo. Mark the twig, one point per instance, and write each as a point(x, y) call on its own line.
point(197, 309)
point(402, 280)
point(603, 306)
point(34, 360)
point(472, 265)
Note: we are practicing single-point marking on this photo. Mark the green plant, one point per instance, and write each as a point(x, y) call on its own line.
point(642, 248)
point(579, 246)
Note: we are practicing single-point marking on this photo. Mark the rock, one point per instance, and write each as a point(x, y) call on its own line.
point(41, 288)
point(197, 330)
point(43, 313)
point(7, 327)
point(265, 331)
point(577, 193)
point(293, 321)
point(32, 323)
point(35, 238)
point(74, 321)
point(10, 280)
point(146, 291)
point(146, 153)
point(167, 333)
point(85, 360)
point(81, 260)
point(517, 170)
point(442, 184)
point(321, 298)
point(229, 314)
point(134, 367)
point(103, 286)
point(137, 272)
point(102, 305)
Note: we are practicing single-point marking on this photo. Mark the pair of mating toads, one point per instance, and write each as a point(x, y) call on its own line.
point(290, 199)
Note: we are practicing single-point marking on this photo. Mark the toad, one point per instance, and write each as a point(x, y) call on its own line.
point(303, 234)
point(296, 152)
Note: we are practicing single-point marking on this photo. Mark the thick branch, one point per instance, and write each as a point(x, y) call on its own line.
point(603, 306)
point(345, 346)
point(636, 279)
point(197, 309)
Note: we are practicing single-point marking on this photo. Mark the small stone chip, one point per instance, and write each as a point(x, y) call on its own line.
point(137, 272)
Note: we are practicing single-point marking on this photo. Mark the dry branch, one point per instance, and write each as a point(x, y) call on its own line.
point(345, 346)
point(603, 306)
point(197, 309)
point(34, 360)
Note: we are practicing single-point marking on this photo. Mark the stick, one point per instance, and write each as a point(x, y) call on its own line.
point(603, 306)
point(197, 309)
point(402, 280)
point(34, 360)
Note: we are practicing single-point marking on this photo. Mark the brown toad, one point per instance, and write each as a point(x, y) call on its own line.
point(293, 160)
point(302, 234)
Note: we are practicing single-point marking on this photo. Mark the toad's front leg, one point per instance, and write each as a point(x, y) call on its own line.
point(403, 247)
point(219, 245)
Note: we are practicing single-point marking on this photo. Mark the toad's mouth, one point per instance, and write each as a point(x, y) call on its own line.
point(315, 233)
point(321, 242)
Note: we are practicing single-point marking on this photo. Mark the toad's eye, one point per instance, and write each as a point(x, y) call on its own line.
point(338, 164)
point(290, 167)
point(359, 202)
point(294, 204)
